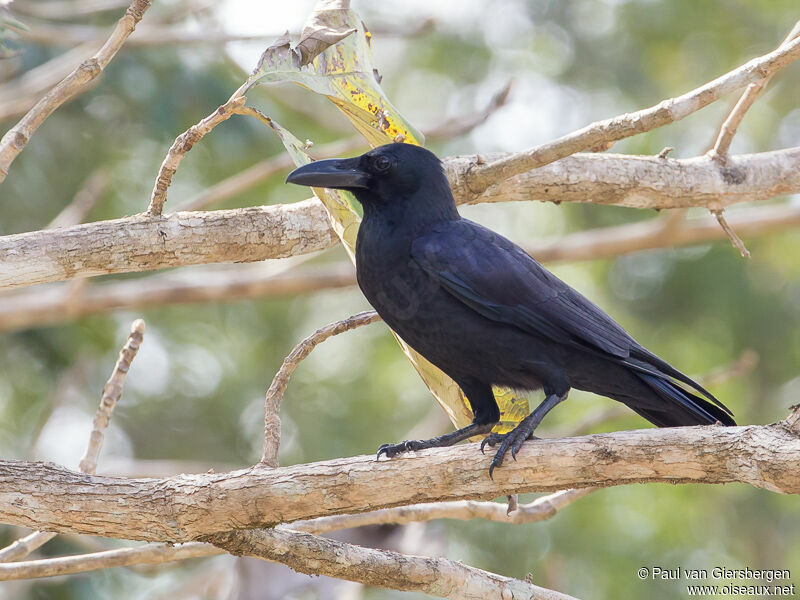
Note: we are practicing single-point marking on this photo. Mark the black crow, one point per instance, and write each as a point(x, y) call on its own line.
point(482, 310)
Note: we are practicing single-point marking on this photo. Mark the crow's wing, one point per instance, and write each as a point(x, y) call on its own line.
point(498, 280)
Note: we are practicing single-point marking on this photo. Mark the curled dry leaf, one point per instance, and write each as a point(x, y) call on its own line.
point(334, 58)
point(343, 72)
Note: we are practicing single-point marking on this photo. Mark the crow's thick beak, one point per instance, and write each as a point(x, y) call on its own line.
point(335, 173)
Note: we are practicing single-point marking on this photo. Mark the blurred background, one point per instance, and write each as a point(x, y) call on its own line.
point(194, 396)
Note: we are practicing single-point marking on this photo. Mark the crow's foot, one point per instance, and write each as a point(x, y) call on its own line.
point(448, 439)
point(513, 439)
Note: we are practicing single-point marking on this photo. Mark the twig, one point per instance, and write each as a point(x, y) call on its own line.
point(272, 404)
point(751, 94)
point(182, 144)
point(259, 172)
point(59, 9)
point(513, 503)
point(244, 180)
point(18, 136)
point(735, 239)
point(645, 235)
point(112, 391)
point(149, 554)
point(23, 546)
point(111, 394)
point(19, 95)
point(58, 303)
point(541, 509)
point(458, 126)
point(481, 177)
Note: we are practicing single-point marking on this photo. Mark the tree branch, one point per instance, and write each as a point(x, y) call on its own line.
point(154, 553)
point(642, 181)
point(61, 302)
point(143, 243)
point(440, 577)
point(18, 136)
point(274, 396)
point(751, 94)
point(149, 554)
point(182, 144)
point(600, 133)
point(246, 179)
point(58, 303)
point(606, 242)
point(184, 508)
point(112, 392)
point(541, 509)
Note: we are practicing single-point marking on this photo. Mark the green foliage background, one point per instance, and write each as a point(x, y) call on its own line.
point(196, 391)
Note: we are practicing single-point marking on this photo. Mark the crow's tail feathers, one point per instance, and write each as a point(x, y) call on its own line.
point(681, 407)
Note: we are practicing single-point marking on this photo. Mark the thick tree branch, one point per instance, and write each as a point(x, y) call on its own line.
point(601, 133)
point(143, 243)
point(541, 509)
point(184, 508)
point(309, 554)
point(440, 577)
point(61, 302)
point(642, 181)
point(18, 136)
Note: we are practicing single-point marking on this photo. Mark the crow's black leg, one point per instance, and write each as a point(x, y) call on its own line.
point(524, 430)
point(447, 439)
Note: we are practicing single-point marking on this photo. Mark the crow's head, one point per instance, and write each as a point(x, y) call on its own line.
point(387, 176)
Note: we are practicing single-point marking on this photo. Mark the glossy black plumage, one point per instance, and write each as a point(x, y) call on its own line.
point(481, 309)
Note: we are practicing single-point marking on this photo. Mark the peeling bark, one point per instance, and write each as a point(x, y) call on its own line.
point(188, 507)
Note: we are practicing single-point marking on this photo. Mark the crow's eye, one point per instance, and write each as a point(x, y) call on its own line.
point(382, 163)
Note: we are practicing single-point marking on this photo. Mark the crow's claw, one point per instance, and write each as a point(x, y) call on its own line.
point(392, 450)
point(492, 440)
point(513, 440)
